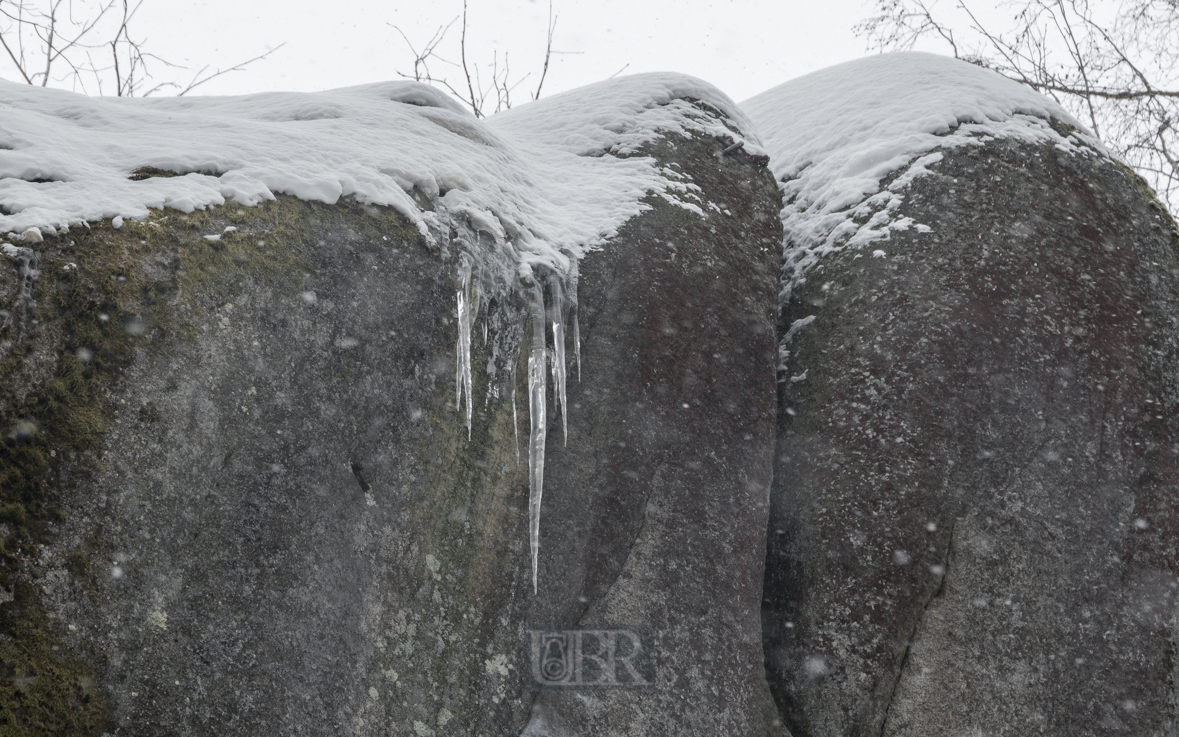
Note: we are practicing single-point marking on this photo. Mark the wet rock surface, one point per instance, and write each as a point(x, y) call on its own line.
point(654, 513)
point(975, 498)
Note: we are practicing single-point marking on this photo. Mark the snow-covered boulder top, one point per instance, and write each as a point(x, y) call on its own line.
point(834, 135)
point(523, 178)
point(619, 115)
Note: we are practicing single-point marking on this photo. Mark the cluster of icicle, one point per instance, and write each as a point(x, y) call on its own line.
point(542, 317)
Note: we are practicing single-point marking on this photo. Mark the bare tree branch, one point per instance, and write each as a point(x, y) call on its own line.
point(16, 62)
point(477, 95)
point(1065, 28)
point(421, 72)
point(1122, 76)
point(71, 34)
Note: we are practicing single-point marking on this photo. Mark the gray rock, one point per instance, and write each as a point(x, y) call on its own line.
point(974, 517)
point(282, 527)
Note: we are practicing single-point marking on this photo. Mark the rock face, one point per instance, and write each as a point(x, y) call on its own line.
point(657, 504)
point(277, 524)
point(286, 524)
point(975, 502)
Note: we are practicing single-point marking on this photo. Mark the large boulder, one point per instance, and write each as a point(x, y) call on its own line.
point(975, 502)
point(246, 497)
point(658, 503)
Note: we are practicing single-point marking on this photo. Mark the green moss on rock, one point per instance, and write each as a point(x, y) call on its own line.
point(83, 316)
point(42, 689)
point(1152, 199)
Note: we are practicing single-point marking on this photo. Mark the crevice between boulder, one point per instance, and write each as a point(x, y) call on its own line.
point(946, 563)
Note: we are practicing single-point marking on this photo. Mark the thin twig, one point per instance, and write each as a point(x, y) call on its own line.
point(421, 59)
point(235, 68)
point(49, 41)
point(1075, 50)
point(463, 50)
point(548, 51)
point(19, 66)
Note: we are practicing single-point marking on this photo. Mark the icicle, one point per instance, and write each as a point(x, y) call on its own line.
point(577, 342)
point(476, 295)
point(515, 422)
point(478, 300)
point(572, 297)
point(557, 320)
point(536, 408)
point(462, 373)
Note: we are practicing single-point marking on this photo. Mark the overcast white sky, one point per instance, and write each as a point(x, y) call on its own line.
point(742, 46)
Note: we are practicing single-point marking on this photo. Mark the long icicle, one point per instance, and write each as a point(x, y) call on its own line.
point(475, 294)
point(515, 422)
point(557, 321)
point(462, 374)
point(536, 408)
point(571, 296)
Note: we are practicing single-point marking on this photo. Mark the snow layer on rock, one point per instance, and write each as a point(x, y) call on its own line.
point(516, 180)
point(835, 135)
